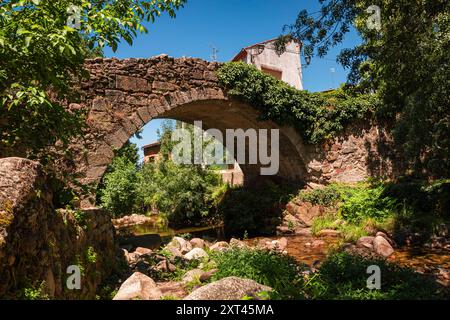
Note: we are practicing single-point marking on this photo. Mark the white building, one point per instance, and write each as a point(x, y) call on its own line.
point(286, 67)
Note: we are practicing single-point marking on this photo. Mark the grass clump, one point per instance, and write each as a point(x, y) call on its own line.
point(403, 206)
point(344, 276)
point(278, 271)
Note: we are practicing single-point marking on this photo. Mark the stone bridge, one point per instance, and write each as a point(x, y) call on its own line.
point(121, 96)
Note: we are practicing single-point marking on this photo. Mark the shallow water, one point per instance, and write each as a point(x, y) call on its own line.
point(211, 232)
point(420, 258)
point(307, 248)
point(303, 248)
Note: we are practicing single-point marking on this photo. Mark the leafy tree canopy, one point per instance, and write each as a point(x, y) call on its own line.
point(43, 44)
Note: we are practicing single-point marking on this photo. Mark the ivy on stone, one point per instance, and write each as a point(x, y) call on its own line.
point(316, 115)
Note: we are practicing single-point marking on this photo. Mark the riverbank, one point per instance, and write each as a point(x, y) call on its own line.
point(195, 269)
point(328, 233)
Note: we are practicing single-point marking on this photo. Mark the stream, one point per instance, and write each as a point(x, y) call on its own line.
point(305, 248)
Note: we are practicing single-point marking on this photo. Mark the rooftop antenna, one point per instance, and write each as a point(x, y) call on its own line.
point(214, 53)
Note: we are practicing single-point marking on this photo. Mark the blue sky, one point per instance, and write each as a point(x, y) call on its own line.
point(229, 25)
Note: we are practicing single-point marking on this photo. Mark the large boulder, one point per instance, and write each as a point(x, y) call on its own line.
point(196, 254)
point(382, 247)
point(219, 246)
point(365, 242)
point(197, 243)
point(384, 235)
point(304, 212)
point(132, 220)
point(231, 288)
point(191, 275)
point(180, 244)
point(138, 287)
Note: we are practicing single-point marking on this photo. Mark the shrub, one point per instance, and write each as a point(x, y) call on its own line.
point(81, 218)
point(281, 272)
point(344, 276)
point(182, 266)
point(364, 202)
point(119, 193)
point(327, 196)
point(185, 194)
point(362, 208)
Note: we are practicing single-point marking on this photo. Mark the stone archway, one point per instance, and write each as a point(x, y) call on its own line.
point(121, 96)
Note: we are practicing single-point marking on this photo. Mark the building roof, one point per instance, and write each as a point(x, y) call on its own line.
point(243, 51)
point(153, 144)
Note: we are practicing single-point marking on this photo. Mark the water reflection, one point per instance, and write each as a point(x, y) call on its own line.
point(211, 233)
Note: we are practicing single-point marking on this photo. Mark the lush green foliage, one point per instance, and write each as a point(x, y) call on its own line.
point(412, 206)
point(80, 218)
point(355, 210)
point(351, 231)
point(405, 61)
point(41, 51)
point(317, 116)
point(355, 201)
point(327, 196)
point(117, 190)
point(344, 276)
point(366, 202)
point(423, 208)
point(254, 209)
point(184, 193)
point(34, 292)
point(119, 193)
point(281, 272)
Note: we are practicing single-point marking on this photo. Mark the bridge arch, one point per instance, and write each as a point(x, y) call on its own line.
point(121, 96)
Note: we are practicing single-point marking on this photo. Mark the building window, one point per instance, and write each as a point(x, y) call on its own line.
point(277, 74)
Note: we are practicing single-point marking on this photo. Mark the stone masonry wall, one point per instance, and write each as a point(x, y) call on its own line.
point(38, 243)
point(363, 149)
